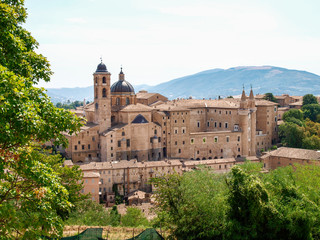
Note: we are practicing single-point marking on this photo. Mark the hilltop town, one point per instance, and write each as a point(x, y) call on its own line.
point(129, 137)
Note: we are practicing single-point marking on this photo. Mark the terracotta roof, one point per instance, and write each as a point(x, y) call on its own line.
point(297, 153)
point(209, 162)
point(296, 103)
point(145, 95)
point(136, 194)
point(91, 175)
point(265, 103)
point(68, 163)
point(136, 108)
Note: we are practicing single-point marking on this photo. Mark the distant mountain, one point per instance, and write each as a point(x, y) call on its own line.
point(225, 82)
point(219, 82)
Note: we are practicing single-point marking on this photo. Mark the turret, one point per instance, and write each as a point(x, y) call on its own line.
point(102, 97)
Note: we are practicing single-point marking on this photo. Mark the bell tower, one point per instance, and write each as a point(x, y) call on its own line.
point(102, 97)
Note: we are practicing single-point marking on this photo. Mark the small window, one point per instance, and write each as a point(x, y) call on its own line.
point(123, 133)
point(175, 143)
point(104, 80)
point(238, 138)
point(104, 92)
point(215, 139)
point(93, 139)
point(219, 124)
point(127, 101)
point(128, 142)
point(215, 124)
point(82, 147)
point(204, 140)
point(88, 146)
point(226, 125)
point(155, 132)
point(192, 140)
point(198, 124)
point(208, 124)
point(119, 143)
point(75, 147)
point(228, 139)
point(117, 101)
point(179, 150)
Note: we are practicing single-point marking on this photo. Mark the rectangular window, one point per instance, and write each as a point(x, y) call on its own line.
point(238, 138)
point(75, 147)
point(215, 124)
point(219, 124)
point(93, 139)
point(82, 147)
point(88, 146)
point(228, 139)
point(208, 124)
point(198, 124)
point(128, 142)
point(119, 143)
point(226, 125)
point(179, 150)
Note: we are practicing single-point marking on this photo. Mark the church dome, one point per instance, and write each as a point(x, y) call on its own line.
point(101, 67)
point(122, 86)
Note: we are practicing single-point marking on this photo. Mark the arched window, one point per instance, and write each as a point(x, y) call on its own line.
point(118, 101)
point(104, 80)
point(127, 101)
point(104, 92)
point(96, 93)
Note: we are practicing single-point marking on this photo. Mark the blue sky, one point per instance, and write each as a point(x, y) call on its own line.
point(159, 40)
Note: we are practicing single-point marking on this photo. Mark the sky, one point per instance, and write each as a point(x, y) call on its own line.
point(159, 40)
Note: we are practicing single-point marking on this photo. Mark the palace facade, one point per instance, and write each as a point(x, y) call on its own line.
point(124, 125)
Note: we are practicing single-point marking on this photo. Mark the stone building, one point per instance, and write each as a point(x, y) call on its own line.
point(285, 156)
point(122, 125)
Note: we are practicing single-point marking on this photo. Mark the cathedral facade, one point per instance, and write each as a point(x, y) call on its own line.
point(124, 125)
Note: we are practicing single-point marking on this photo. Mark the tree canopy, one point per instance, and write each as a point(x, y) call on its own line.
point(242, 204)
point(270, 97)
point(33, 197)
point(309, 99)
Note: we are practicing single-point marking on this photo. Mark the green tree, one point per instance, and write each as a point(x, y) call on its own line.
point(291, 134)
point(309, 99)
point(33, 198)
point(293, 113)
point(134, 218)
point(90, 213)
point(311, 111)
point(270, 97)
point(192, 206)
point(251, 214)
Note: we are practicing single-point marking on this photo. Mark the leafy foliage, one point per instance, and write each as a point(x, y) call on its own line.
point(244, 204)
point(134, 218)
point(92, 214)
point(192, 206)
point(291, 134)
point(34, 197)
point(311, 111)
point(309, 99)
point(270, 97)
point(70, 105)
